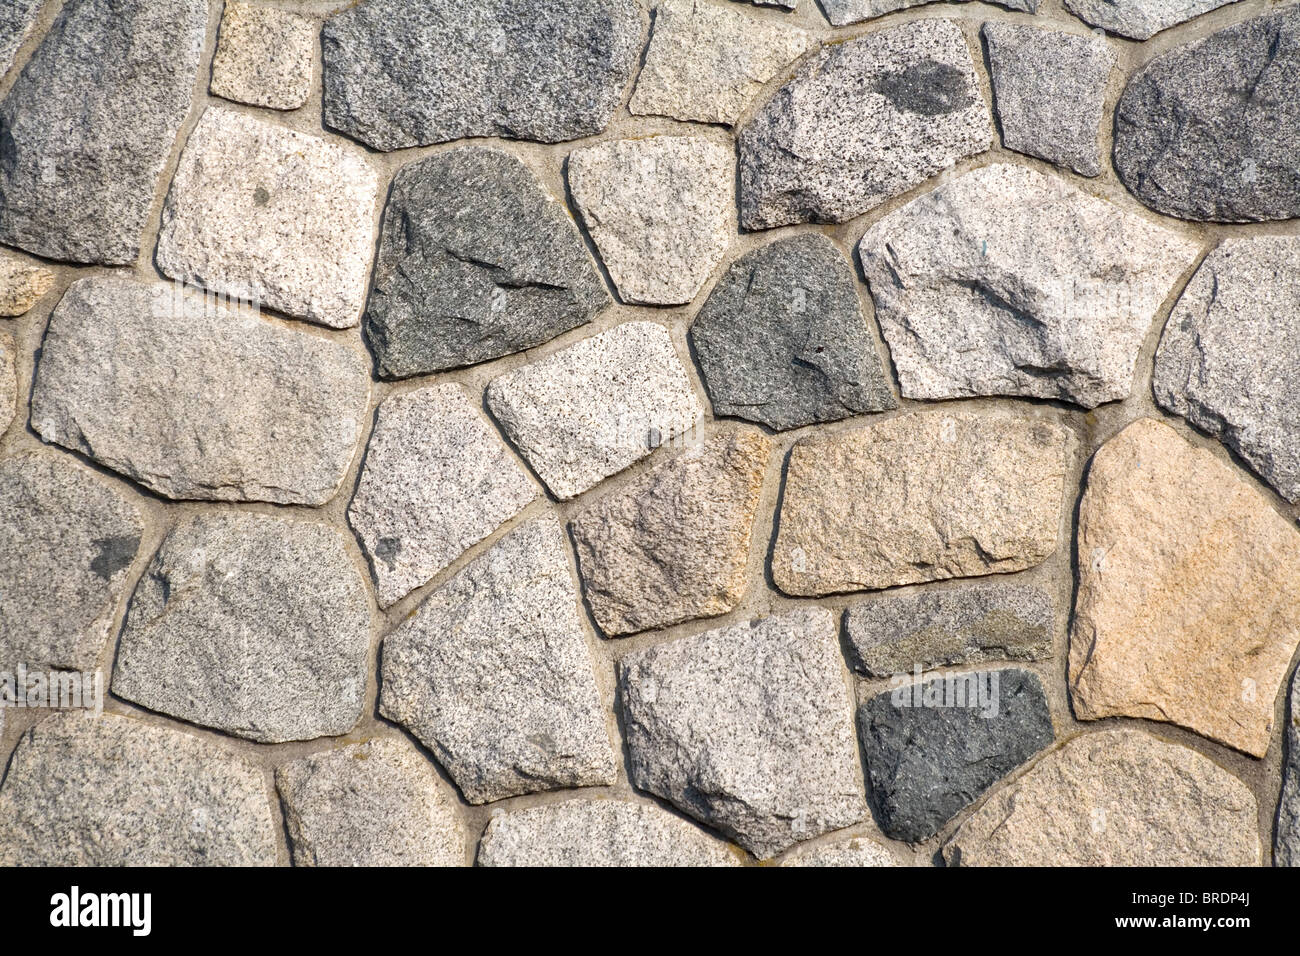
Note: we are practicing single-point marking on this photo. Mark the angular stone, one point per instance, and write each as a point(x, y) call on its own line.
point(843, 12)
point(414, 72)
point(437, 480)
point(660, 210)
point(1008, 282)
point(1286, 842)
point(252, 624)
point(115, 791)
point(88, 125)
point(21, 284)
point(378, 803)
point(493, 674)
point(917, 110)
point(193, 401)
point(1211, 130)
point(263, 57)
point(588, 412)
point(674, 544)
point(267, 214)
point(748, 729)
point(922, 497)
point(856, 851)
point(1114, 798)
point(475, 261)
point(1140, 19)
point(17, 17)
point(8, 380)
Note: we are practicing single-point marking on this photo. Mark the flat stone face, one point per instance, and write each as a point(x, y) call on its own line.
point(17, 18)
point(263, 57)
point(252, 624)
point(918, 110)
point(1114, 798)
point(922, 497)
point(856, 851)
point(414, 72)
point(1188, 603)
point(8, 380)
point(1191, 142)
point(493, 674)
point(114, 791)
point(781, 339)
point(1008, 282)
point(843, 12)
point(129, 371)
point(21, 284)
point(748, 729)
point(267, 214)
point(1140, 19)
point(661, 210)
point(475, 261)
point(588, 412)
point(1286, 843)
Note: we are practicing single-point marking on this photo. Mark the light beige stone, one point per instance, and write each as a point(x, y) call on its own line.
point(263, 57)
point(855, 851)
point(8, 381)
point(21, 284)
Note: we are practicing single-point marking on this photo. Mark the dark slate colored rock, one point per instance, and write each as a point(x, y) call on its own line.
point(16, 18)
point(1286, 843)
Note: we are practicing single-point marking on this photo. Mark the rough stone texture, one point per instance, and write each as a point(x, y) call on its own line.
point(1140, 19)
point(1211, 130)
point(252, 624)
point(263, 57)
point(67, 540)
point(1188, 603)
point(747, 728)
point(193, 401)
point(585, 413)
point(1114, 798)
point(21, 284)
point(8, 380)
point(925, 496)
point(1286, 843)
point(475, 261)
point(437, 480)
point(17, 17)
point(843, 12)
point(377, 803)
point(493, 674)
point(1230, 355)
point(917, 110)
point(414, 72)
point(661, 211)
point(1009, 282)
point(784, 4)
point(781, 339)
point(263, 213)
point(114, 791)
point(856, 851)
point(674, 544)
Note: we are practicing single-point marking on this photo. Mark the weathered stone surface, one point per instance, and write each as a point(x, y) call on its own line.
point(475, 261)
point(1188, 604)
point(673, 545)
point(856, 851)
point(922, 497)
point(785, 4)
point(17, 17)
point(377, 803)
point(413, 72)
point(1140, 19)
point(21, 284)
point(194, 401)
point(8, 380)
point(1286, 842)
point(114, 791)
point(1009, 282)
point(1211, 130)
point(660, 210)
point(917, 110)
point(747, 728)
point(843, 12)
point(263, 56)
point(583, 414)
point(493, 674)
point(1114, 798)
point(88, 125)
point(252, 624)
point(437, 480)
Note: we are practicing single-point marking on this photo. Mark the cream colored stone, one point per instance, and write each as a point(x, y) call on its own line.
point(21, 285)
point(263, 57)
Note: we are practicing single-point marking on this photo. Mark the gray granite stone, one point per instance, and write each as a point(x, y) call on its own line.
point(263, 56)
point(1140, 19)
point(1286, 842)
point(853, 852)
point(843, 12)
point(17, 17)
point(8, 380)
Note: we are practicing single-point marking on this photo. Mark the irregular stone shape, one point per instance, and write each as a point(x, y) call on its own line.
point(586, 413)
point(475, 261)
point(21, 284)
point(917, 110)
point(377, 803)
point(437, 480)
point(674, 544)
point(922, 497)
point(252, 624)
point(1230, 355)
point(1140, 19)
point(8, 380)
point(1114, 798)
point(414, 72)
point(270, 215)
point(843, 12)
point(130, 374)
point(1286, 842)
point(263, 57)
point(17, 17)
point(88, 125)
point(493, 674)
point(781, 339)
point(660, 210)
point(1211, 130)
point(115, 791)
point(1188, 604)
point(856, 851)
point(785, 4)
point(1008, 282)
point(67, 541)
point(747, 728)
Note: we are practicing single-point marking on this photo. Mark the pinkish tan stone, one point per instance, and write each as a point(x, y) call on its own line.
point(21, 285)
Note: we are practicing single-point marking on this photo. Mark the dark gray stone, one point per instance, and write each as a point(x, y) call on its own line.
point(16, 18)
point(1286, 845)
